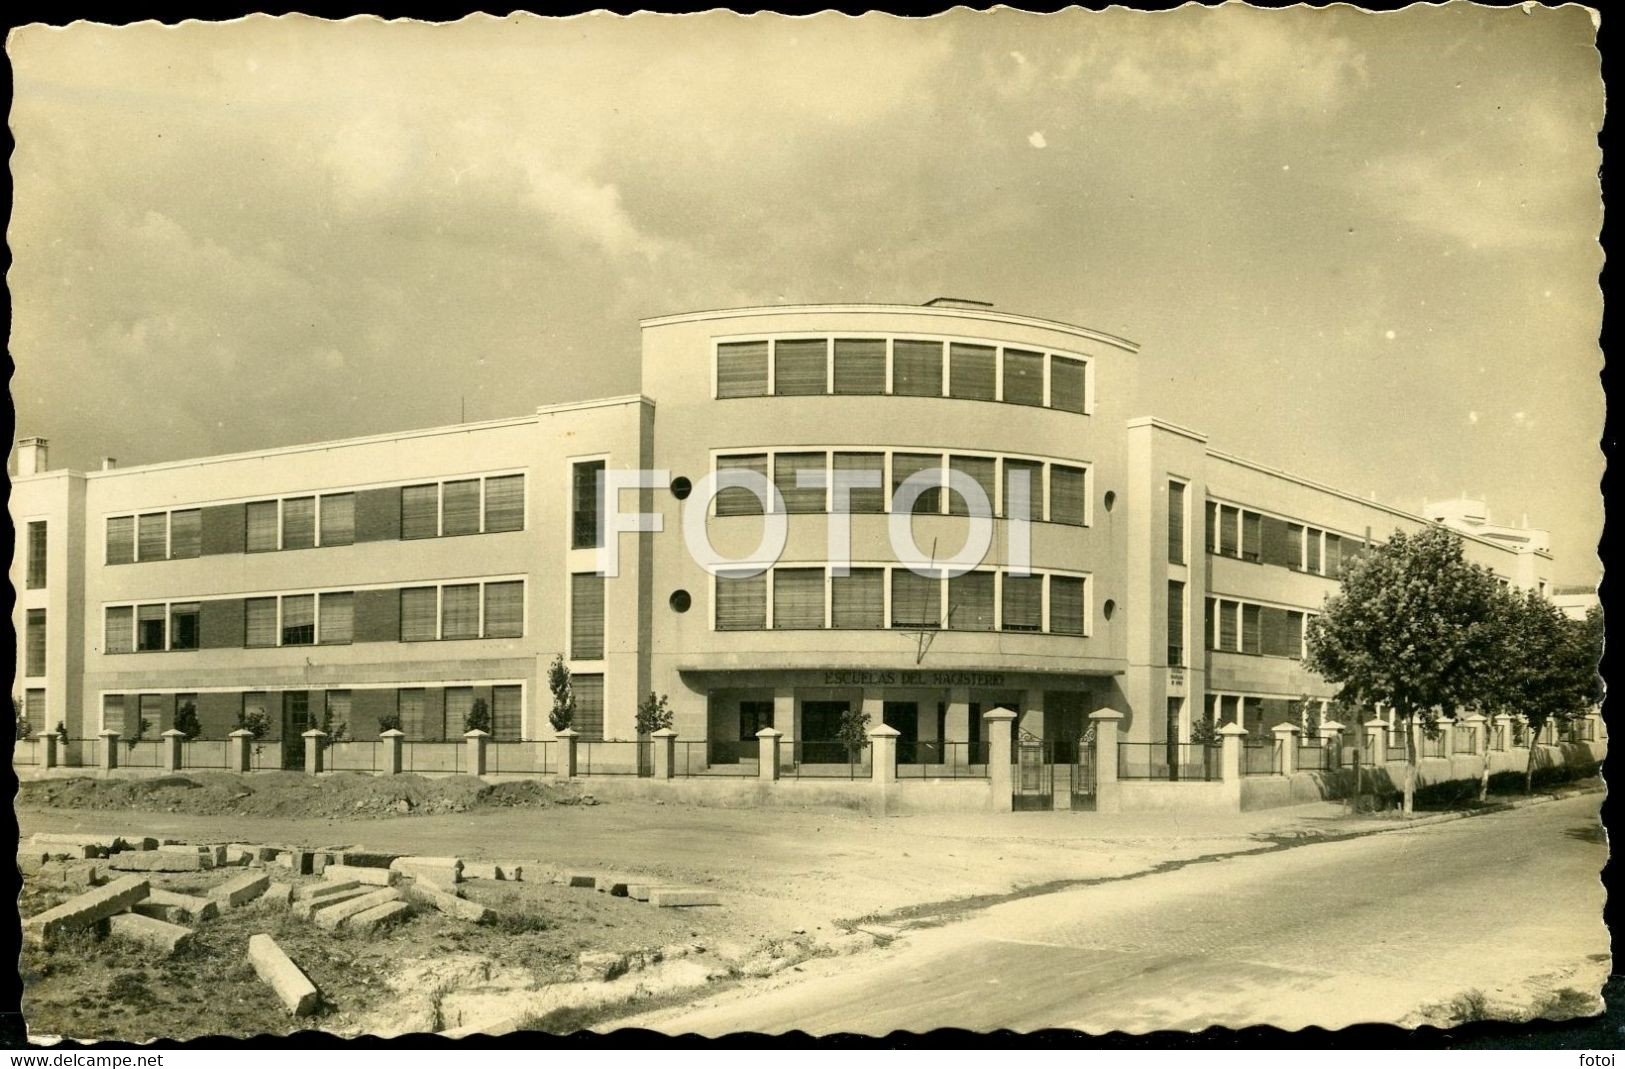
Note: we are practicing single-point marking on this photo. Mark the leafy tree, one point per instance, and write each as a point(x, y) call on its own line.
point(654, 714)
point(389, 722)
point(478, 717)
point(1548, 669)
point(335, 730)
point(1592, 639)
point(1410, 628)
point(564, 699)
point(186, 721)
point(853, 732)
point(256, 723)
point(1205, 732)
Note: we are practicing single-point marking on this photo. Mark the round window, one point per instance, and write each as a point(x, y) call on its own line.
point(681, 488)
point(1111, 499)
point(1109, 608)
point(679, 601)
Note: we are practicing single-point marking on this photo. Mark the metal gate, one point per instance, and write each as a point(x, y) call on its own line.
point(1083, 778)
point(1033, 786)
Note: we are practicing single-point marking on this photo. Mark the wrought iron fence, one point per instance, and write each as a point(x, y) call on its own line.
point(952, 760)
point(26, 751)
point(697, 758)
point(1396, 746)
point(1465, 740)
point(521, 757)
point(425, 756)
point(1498, 739)
point(1433, 745)
point(824, 760)
point(1261, 757)
point(633, 757)
point(1315, 755)
point(1192, 761)
point(729, 752)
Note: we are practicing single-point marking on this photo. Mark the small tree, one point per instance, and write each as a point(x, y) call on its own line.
point(478, 717)
point(62, 732)
point(853, 732)
point(186, 721)
point(20, 717)
point(334, 730)
point(389, 722)
point(255, 722)
point(653, 714)
point(1548, 669)
point(564, 699)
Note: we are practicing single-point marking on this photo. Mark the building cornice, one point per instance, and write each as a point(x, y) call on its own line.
point(1164, 425)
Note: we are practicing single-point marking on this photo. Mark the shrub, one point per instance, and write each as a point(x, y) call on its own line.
point(256, 723)
point(564, 699)
point(853, 731)
point(654, 714)
point(478, 717)
point(186, 721)
point(389, 722)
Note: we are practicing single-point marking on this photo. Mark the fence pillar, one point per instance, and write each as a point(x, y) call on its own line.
point(883, 755)
point(47, 749)
point(1231, 737)
point(314, 750)
point(1476, 722)
point(240, 740)
point(476, 741)
point(567, 752)
point(392, 750)
point(998, 721)
point(172, 749)
point(109, 754)
point(1376, 730)
point(1447, 728)
point(665, 747)
point(767, 754)
point(1286, 738)
point(1106, 723)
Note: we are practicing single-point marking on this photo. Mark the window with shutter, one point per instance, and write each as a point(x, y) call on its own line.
point(120, 539)
point(507, 713)
point(149, 627)
point(970, 601)
point(742, 603)
point(588, 500)
point(1023, 603)
point(461, 505)
point(589, 716)
point(801, 367)
point(1251, 535)
point(972, 371)
point(505, 609)
point(1228, 531)
point(151, 711)
point(916, 368)
point(259, 622)
point(739, 500)
point(860, 365)
point(338, 519)
point(186, 534)
point(982, 471)
point(916, 600)
point(1312, 550)
point(1212, 527)
point(419, 608)
point(587, 617)
point(262, 526)
point(1208, 621)
point(787, 469)
point(1066, 384)
point(460, 611)
point(1295, 635)
point(36, 555)
point(337, 710)
point(113, 712)
point(183, 625)
point(118, 630)
point(1229, 625)
point(409, 705)
point(299, 620)
point(34, 707)
point(798, 597)
point(1249, 629)
point(337, 619)
point(1024, 377)
point(298, 522)
point(863, 499)
point(420, 511)
point(1033, 471)
point(153, 537)
point(34, 656)
point(1176, 522)
point(504, 503)
point(858, 600)
point(742, 369)
point(458, 703)
point(1068, 494)
point(1176, 623)
point(1334, 555)
point(1066, 605)
point(904, 465)
point(1294, 546)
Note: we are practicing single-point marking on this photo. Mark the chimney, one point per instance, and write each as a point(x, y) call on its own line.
point(32, 456)
point(109, 463)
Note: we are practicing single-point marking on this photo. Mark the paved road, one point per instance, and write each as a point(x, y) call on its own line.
point(1334, 934)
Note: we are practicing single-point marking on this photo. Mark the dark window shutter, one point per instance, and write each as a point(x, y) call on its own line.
point(1275, 632)
point(377, 515)
point(220, 624)
point(1334, 555)
point(860, 365)
point(1067, 382)
point(972, 371)
point(225, 529)
point(1277, 711)
point(377, 615)
point(970, 601)
point(367, 707)
point(1276, 545)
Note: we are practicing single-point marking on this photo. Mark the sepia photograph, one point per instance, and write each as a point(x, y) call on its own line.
point(810, 526)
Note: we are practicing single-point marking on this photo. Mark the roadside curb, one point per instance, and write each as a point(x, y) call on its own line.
point(1445, 818)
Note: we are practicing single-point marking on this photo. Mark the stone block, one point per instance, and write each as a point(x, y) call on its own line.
point(330, 914)
point(481, 870)
point(279, 895)
point(303, 862)
point(617, 886)
point(157, 861)
point(277, 970)
point(450, 905)
point(83, 911)
point(322, 890)
point(176, 908)
point(356, 874)
point(31, 861)
point(376, 918)
point(365, 859)
point(159, 935)
point(86, 876)
point(683, 897)
point(240, 889)
point(583, 879)
point(442, 870)
point(241, 854)
point(455, 890)
point(307, 907)
point(601, 965)
point(51, 846)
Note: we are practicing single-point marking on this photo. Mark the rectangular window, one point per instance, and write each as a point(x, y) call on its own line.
point(916, 368)
point(970, 602)
point(299, 620)
point(587, 617)
point(1229, 625)
point(1295, 635)
point(337, 619)
point(1034, 474)
point(864, 499)
point(1066, 605)
point(149, 627)
point(588, 505)
point(185, 534)
point(118, 632)
point(409, 704)
point(916, 600)
point(801, 367)
point(589, 717)
point(1176, 522)
point(34, 656)
point(798, 597)
point(742, 369)
point(461, 507)
point(1067, 494)
point(1250, 629)
point(787, 469)
point(1294, 546)
point(120, 539)
point(338, 519)
point(1066, 384)
point(504, 503)
point(983, 471)
point(972, 371)
point(457, 703)
point(1333, 555)
point(742, 603)
point(113, 712)
point(419, 608)
point(1212, 527)
point(1024, 377)
point(183, 626)
point(152, 537)
point(255, 705)
point(336, 711)
point(298, 522)
point(753, 717)
point(460, 611)
point(860, 366)
point(1023, 603)
point(1311, 559)
point(507, 712)
point(259, 622)
point(1176, 623)
point(262, 526)
point(1208, 623)
point(150, 707)
point(504, 609)
point(1252, 715)
point(36, 555)
point(858, 600)
point(1251, 535)
point(903, 465)
point(1228, 531)
point(739, 500)
point(34, 708)
point(420, 511)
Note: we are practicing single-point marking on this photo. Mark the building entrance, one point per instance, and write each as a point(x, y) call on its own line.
point(820, 741)
point(295, 722)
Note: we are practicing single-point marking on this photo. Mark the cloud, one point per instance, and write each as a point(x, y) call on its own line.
point(1036, 139)
point(1472, 417)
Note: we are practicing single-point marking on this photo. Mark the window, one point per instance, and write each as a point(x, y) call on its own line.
point(460, 611)
point(917, 368)
point(419, 605)
point(589, 717)
point(420, 511)
point(1024, 377)
point(787, 469)
point(858, 600)
point(1296, 635)
point(1294, 546)
point(1229, 625)
point(798, 597)
point(462, 507)
point(1068, 494)
point(1176, 623)
point(259, 622)
point(1208, 623)
point(1229, 531)
point(185, 534)
point(1023, 603)
point(860, 366)
point(507, 712)
point(113, 712)
point(150, 707)
point(299, 620)
point(337, 619)
point(34, 709)
point(36, 555)
point(742, 603)
point(298, 522)
point(801, 367)
point(1033, 471)
point(586, 515)
point(864, 499)
point(1066, 605)
point(1176, 522)
point(118, 633)
point(753, 717)
point(1212, 527)
point(504, 610)
point(1066, 384)
point(457, 703)
point(338, 519)
point(34, 656)
point(972, 371)
point(254, 704)
point(1333, 555)
point(1311, 558)
point(1251, 535)
point(903, 465)
point(970, 601)
point(120, 539)
point(149, 627)
point(337, 710)
point(739, 500)
point(1249, 629)
point(152, 536)
point(262, 526)
point(983, 471)
point(183, 626)
point(409, 704)
point(587, 617)
point(504, 503)
point(916, 600)
point(742, 369)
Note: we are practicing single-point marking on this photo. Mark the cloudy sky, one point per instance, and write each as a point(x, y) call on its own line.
point(1361, 248)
